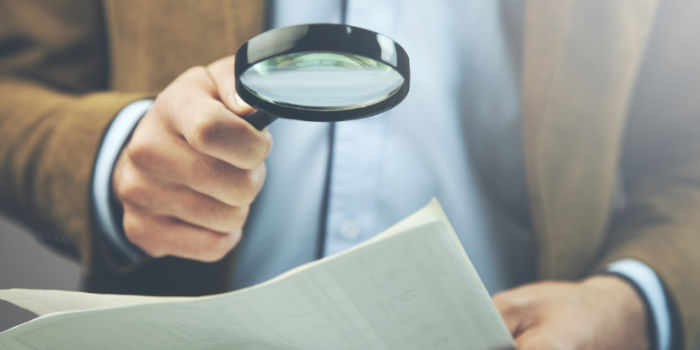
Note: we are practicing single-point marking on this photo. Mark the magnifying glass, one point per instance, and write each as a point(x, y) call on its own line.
point(320, 72)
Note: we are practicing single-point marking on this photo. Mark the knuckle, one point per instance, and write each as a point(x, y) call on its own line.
point(266, 143)
point(235, 237)
point(131, 228)
point(162, 101)
point(141, 152)
point(231, 219)
point(207, 133)
point(218, 248)
point(173, 98)
point(238, 218)
point(159, 102)
point(503, 302)
point(195, 71)
point(166, 102)
point(129, 188)
point(245, 194)
point(227, 61)
point(242, 217)
point(212, 67)
point(138, 235)
point(253, 183)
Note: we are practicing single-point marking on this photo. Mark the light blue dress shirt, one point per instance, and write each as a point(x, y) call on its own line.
point(459, 124)
point(386, 167)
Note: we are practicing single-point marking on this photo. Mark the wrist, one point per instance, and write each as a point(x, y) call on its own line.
point(121, 254)
point(629, 305)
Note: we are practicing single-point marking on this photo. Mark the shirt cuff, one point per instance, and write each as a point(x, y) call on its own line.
point(651, 288)
point(105, 206)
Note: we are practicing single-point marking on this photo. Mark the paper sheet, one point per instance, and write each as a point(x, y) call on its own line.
point(412, 287)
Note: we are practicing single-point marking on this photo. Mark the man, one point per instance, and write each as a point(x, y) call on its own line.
point(592, 80)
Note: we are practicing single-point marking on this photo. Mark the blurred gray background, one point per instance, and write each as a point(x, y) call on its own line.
point(26, 263)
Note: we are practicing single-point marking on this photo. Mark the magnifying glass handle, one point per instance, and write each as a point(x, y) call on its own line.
point(260, 119)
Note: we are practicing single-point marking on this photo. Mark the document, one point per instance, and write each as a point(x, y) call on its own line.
point(410, 287)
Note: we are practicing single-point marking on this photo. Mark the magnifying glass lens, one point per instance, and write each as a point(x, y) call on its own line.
point(320, 72)
point(322, 81)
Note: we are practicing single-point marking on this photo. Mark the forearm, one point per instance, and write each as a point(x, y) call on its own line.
point(48, 144)
point(659, 227)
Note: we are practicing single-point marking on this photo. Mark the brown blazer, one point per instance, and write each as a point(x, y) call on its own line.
point(593, 73)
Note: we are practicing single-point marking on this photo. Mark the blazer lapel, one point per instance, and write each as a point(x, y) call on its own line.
point(580, 60)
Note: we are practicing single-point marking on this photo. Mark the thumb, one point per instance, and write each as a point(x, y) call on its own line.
point(223, 74)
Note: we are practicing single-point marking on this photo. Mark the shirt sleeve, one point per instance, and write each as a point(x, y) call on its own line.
point(106, 208)
point(649, 285)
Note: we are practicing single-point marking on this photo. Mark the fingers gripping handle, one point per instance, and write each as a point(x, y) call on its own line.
point(260, 119)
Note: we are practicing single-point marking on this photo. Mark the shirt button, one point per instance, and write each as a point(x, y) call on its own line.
point(349, 229)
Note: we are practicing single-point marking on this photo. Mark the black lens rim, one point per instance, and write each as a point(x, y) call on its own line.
point(329, 37)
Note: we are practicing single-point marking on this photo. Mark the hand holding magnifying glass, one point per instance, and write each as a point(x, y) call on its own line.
point(320, 72)
point(189, 172)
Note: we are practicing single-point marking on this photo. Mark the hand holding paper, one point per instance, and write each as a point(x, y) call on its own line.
point(411, 287)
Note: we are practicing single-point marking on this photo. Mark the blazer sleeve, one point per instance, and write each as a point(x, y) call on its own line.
point(660, 224)
point(54, 109)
